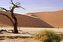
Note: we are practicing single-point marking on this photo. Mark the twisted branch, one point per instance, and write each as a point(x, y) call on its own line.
point(3, 9)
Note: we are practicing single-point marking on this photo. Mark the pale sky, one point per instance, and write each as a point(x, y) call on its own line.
point(35, 5)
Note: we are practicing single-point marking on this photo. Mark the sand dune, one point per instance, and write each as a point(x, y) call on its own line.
point(53, 18)
point(23, 21)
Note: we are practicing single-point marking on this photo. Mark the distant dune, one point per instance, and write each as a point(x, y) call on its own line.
point(24, 21)
point(53, 18)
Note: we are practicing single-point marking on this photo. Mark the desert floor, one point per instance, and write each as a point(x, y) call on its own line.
point(19, 40)
point(23, 32)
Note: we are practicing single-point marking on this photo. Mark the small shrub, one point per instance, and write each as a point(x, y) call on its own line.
point(47, 36)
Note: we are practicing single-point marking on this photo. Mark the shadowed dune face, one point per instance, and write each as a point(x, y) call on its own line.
point(4, 21)
point(24, 21)
point(53, 18)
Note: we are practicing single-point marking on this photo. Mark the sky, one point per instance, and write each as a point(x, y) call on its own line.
point(34, 5)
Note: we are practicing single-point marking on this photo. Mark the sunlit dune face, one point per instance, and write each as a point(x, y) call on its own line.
point(53, 18)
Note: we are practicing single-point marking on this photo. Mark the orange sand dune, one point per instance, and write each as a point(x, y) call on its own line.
point(23, 21)
point(53, 18)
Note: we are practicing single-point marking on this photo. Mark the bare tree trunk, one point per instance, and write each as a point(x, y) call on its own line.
point(15, 25)
point(13, 15)
point(15, 21)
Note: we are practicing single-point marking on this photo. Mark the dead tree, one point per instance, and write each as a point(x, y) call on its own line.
point(14, 19)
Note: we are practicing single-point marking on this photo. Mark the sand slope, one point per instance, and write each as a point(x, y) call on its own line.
point(53, 18)
point(23, 21)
